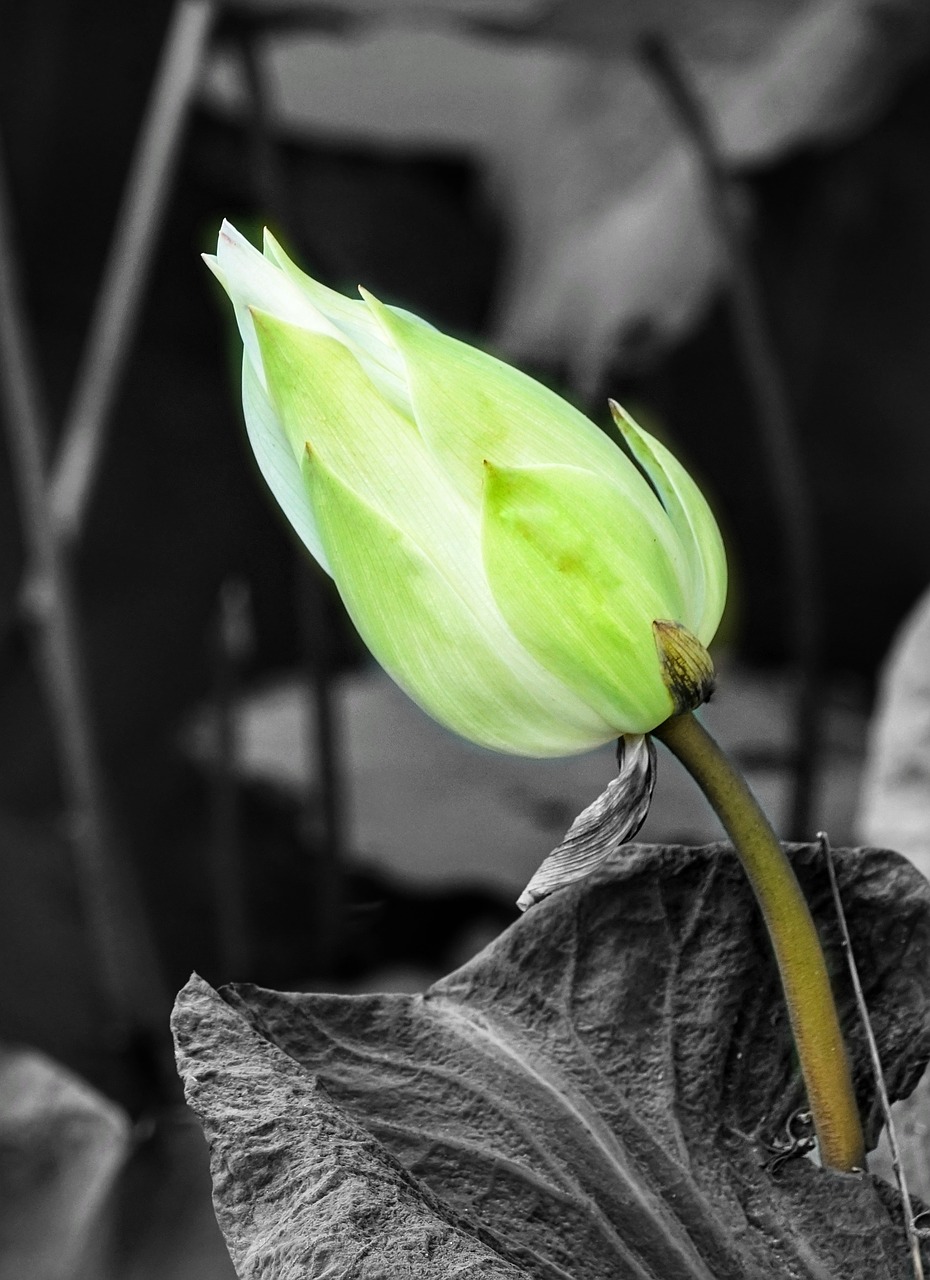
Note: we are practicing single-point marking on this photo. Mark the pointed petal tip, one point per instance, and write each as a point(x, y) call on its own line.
point(236, 251)
point(232, 236)
point(213, 265)
point(272, 249)
point(262, 319)
point(380, 311)
point(617, 411)
point(630, 430)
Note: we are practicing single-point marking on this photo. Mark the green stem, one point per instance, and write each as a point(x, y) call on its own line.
point(811, 1007)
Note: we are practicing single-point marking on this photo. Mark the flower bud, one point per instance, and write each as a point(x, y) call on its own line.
point(504, 560)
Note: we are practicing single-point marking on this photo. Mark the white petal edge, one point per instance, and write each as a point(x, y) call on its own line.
point(352, 318)
point(276, 461)
point(252, 281)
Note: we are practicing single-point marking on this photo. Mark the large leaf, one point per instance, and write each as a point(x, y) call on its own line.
point(590, 1097)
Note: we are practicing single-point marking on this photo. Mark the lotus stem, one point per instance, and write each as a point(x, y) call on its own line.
point(801, 964)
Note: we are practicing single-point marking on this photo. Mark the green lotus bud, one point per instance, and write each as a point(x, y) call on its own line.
point(503, 559)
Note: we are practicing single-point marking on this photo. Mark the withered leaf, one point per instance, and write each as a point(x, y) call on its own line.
point(591, 1097)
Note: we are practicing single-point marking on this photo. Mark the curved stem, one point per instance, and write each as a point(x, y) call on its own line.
point(798, 952)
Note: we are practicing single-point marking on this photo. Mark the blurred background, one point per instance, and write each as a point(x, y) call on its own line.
point(714, 211)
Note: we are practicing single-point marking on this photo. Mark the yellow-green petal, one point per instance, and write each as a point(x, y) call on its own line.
point(327, 403)
point(693, 521)
point(352, 318)
point(444, 643)
point(324, 398)
point(470, 407)
point(277, 462)
point(253, 282)
point(580, 578)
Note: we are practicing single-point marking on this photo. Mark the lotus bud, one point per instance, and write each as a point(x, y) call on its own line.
point(527, 582)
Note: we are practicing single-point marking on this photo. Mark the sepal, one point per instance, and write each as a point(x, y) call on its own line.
point(687, 667)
